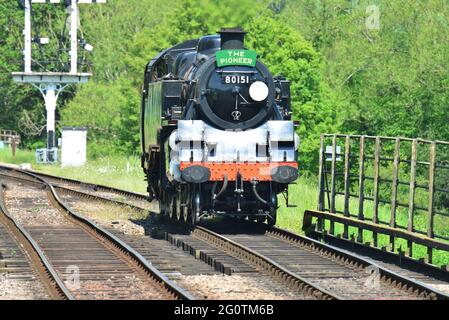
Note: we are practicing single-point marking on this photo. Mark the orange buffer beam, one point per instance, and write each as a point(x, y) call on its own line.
point(260, 171)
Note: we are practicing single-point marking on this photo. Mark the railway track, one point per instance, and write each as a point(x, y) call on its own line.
point(204, 280)
point(345, 275)
point(293, 282)
point(315, 269)
point(95, 263)
point(25, 273)
point(136, 200)
point(192, 274)
point(342, 275)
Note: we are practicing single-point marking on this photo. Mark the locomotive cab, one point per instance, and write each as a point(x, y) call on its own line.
point(217, 138)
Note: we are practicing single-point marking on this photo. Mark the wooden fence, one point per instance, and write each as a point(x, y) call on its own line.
point(393, 192)
point(9, 137)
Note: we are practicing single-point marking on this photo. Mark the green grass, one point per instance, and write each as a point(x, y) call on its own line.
point(22, 156)
point(112, 171)
point(109, 171)
point(115, 172)
point(305, 195)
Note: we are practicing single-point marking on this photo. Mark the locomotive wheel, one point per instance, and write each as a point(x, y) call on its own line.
point(163, 205)
point(171, 207)
point(189, 214)
point(177, 208)
point(185, 214)
point(184, 209)
point(195, 207)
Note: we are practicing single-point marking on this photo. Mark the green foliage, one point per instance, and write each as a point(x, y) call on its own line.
point(392, 81)
point(108, 110)
point(21, 156)
point(14, 100)
point(128, 50)
point(345, 78)
point(286, 52)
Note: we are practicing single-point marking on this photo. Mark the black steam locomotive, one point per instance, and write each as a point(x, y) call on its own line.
point(216, 131)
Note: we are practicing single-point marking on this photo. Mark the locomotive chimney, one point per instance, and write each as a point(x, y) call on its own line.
point(232, 38)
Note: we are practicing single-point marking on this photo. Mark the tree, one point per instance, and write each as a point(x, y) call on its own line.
point(121, 55)
point(286, 52)
point(392, 81)
point(345, 77)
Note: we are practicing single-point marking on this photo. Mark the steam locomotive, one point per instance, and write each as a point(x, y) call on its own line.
point(216, 131)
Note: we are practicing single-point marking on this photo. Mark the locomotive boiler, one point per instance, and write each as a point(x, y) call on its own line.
point(216, 131)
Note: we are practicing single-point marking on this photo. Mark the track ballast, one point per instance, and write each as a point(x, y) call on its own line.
point(317, 270)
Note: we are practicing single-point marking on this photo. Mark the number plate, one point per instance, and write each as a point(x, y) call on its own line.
point(236, 79)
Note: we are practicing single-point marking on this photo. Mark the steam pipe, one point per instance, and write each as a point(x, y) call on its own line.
point(223, 188)
point(254, 182)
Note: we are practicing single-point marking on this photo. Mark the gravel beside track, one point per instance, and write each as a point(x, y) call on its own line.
point(18, 280)
point(348, 279)
point(227, 272)
point(104, 272)
point(199, 278)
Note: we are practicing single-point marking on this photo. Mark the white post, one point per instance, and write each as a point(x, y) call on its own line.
point(74, 37)
point(50, 93)
point(27, 34)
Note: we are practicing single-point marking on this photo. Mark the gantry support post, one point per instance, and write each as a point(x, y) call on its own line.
point(51, 84)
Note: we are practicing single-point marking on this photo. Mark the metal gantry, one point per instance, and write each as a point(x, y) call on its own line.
point(51, 84)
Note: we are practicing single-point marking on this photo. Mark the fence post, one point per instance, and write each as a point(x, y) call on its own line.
point(431, 197)
point(411, 199)
point(13, 145)
point(412, 236)
point(394, 190)
point(361, 186)
point(321, 173)
point(376, 187)
point(347, 182)
point(334, 160)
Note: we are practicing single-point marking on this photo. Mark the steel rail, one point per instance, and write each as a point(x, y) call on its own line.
point(41, 265)
point(98, 197)
point(288, 236)
point(107, 200)
point(343, 255)
point(75, 192)
point(170, 286)
point(92, 185)
point(278, 271)
point(388, 257)
point(78, 182)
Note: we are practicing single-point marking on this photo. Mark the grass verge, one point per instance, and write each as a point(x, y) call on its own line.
point(119, 172)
